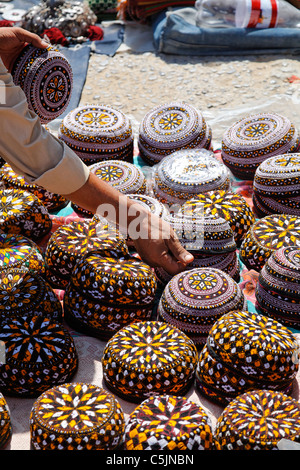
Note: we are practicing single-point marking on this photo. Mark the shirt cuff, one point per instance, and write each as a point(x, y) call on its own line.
point(69, 175)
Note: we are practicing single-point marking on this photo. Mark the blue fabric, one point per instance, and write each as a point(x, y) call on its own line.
point(113, 36)
point(173, 34)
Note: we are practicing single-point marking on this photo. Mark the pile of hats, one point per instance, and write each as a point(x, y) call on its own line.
point(149, 358)
point(226, 204)
point(258, 420)
point(267, 235)
point(23, 213)
point(278, 287)
point(123, 176)
point(168, 423)
point(39, 351)
point(186, 173)
point(10, 179)
point(98, 132)
point(17, 251)
point(209, 238)
point(5, 423)
point(70, 242)
point(171, 127)
point(276, 186)
point(76, 416)
point(253, 139)
point(246, 351)
point(46, 78)
point(193, 300)
point(106, 293)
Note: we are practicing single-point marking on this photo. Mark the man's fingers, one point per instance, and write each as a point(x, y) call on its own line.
point(27, 36)
point(178, 251)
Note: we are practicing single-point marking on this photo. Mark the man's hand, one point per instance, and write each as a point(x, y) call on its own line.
point(12, 41)
point(160, 246)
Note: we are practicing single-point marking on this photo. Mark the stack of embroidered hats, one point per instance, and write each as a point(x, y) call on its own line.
point(253, 139)
point(186, 173)
point(23, 213)
point(5, 423)
point(70, 242)
point(98, 132)
point(167, 422)
point(246, 351)
point(258, 420)
point(276, 186)
point(10, 179)
point(209, 238)
point(171, 127)
point(193, 300)
point(228, 205)
point(17, 251)
point(267, 235)
point(106, 293)
point(278, 287)
point(76, 416)
point(46, 77)
point(149, 358)
point(123, 176)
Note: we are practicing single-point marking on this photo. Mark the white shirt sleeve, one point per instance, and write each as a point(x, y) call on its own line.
point(31, 150)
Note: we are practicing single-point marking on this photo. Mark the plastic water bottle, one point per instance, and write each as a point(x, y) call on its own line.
point(246, 14)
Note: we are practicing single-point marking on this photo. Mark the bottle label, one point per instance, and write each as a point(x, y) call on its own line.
point(256, 14)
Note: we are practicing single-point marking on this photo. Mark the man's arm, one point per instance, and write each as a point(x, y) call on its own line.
point(44, 160)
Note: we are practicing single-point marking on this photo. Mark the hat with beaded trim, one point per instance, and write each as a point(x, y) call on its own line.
point(230, 206)
point(267, 235)
point(17, 251)
point(151, 204)
point(46, 77)
point(278, 287)
point(193, 300)
point(253, 139)
point(40, 353)
point(244, 351)
point(10, 179)
point(23, 213)
point(258, 420)
point(70, 242)
point(168, 423)
point(171, 127)
point(226, 262)
point(185, 173)
point(5, 423)
point(105, 294)
point(24, 292)
point(264, 206)
point(98, 132)
point(123, 176)
point(76, 416)
point(149, 358)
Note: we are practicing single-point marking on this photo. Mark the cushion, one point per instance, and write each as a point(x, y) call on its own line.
point(258, 420)
point(149, 358)
point(168, 423)
point(170, 127)
point(268, 235)
point(40, 353)
point(76, 416)
point(46, 78)
point(98, 132)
